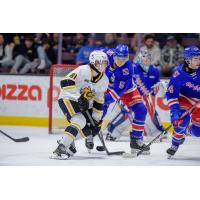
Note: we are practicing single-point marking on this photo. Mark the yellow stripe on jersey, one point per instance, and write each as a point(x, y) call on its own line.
point(99, 100)
point(79, 128)
point(97, 111)
point(69, 107)
point(69, 87)
point(69, 135)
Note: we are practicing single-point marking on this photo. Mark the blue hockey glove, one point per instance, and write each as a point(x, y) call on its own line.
point(175, 118)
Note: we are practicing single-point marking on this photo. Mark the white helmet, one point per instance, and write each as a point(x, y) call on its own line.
point(98, 57)
point(144, 59)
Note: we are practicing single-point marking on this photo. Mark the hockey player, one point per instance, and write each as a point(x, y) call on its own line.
point(182, 93)
point(122, 88)
point(82, 90)
point(146, 77)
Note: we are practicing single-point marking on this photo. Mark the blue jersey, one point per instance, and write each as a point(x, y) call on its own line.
point(109, 53)
point(145, 80)
point(120, 78)
point(183, 84)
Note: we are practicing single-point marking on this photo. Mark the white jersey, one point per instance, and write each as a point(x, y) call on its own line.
point(80, 80)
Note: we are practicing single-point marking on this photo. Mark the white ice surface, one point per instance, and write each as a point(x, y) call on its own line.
point(41, 145)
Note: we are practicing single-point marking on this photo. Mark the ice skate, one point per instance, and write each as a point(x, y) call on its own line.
point(137, 145)
point(89, 143)
point(63, 153)
point(171, 151)
point(109, 137)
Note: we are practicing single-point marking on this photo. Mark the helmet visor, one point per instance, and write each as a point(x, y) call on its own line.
point(101, 65)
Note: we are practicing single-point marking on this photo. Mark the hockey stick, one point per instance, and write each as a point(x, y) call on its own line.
point(102, 139)
point(163, 132)
point(24, 139)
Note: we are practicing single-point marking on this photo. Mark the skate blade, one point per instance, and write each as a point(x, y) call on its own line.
point(55, 157)
point(133, 151)
point(169, 157)
point(89, 151)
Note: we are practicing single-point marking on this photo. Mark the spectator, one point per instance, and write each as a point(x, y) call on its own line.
point(99, 38)
point(171, 56)
point(39, 37)
point(26, 57)
point(153, 48)
point(110, 40)
point(5, 54)
point(42, 51)
point(83, 55)
point(54, 44)
point(124, 39)
point(79, 41)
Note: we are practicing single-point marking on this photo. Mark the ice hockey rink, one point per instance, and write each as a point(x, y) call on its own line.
point(37, 151)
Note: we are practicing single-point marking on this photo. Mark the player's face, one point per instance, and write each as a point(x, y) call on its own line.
point(101, 66)
point(195, 62)
point(120, 61)
point(146, 61)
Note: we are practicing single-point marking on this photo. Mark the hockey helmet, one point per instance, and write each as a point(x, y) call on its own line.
point(144, 59)
point(121, 51)
point(121, 54)
point(190, 52)
point(99, 60)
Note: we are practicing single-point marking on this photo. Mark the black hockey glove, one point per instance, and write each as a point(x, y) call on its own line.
point(83, 103)
point(95, 129)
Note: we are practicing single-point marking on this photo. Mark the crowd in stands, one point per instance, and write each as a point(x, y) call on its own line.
point(36, 52)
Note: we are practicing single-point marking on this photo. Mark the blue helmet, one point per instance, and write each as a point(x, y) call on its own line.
point(191, 51)
point(121, 51)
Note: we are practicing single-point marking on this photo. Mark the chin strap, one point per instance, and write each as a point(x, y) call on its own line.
point(98, 76)
point(95, 69)
point(188, 69)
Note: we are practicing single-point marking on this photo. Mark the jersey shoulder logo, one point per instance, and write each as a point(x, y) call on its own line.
point(175, 74)
point(110, 52)
point(125, 71)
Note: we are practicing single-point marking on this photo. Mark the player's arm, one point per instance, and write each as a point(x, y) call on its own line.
point(69, 85)
point(172, 95)
point(156, 84)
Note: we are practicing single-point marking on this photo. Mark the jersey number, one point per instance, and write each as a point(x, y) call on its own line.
point(73, 76)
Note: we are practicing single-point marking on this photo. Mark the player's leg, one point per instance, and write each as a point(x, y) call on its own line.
point(118, 125)
point(73, 131)
point(179, 134)
point(136, 137)
point(134, 102)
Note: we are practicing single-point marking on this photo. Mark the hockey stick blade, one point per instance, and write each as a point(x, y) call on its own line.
point(101, 148)
point(115, 153)
point(24, 139)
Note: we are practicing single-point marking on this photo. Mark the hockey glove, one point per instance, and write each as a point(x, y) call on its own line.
point(83, 103)
point(95, 129)
point(175, 118)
